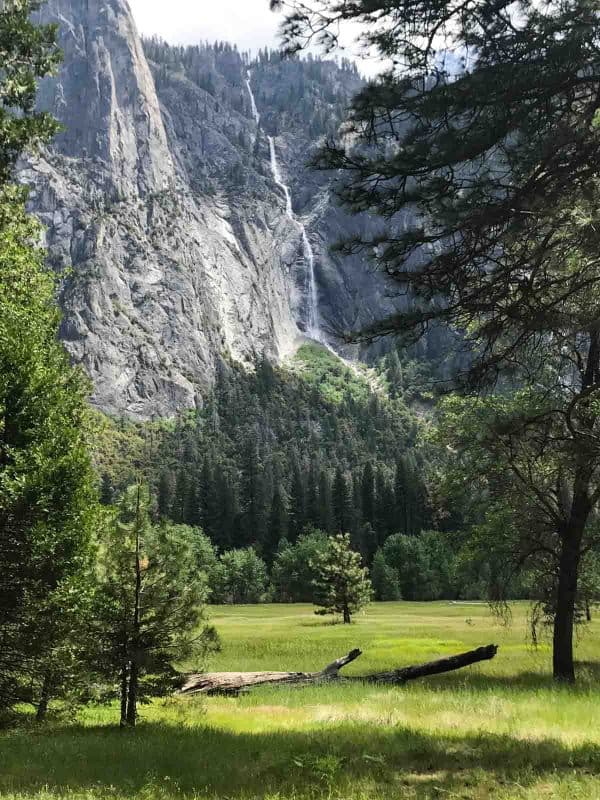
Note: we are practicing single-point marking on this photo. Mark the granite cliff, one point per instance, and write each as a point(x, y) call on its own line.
point(165, 217)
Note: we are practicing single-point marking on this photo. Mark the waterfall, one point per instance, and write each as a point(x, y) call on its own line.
point(313, 329)
point(255, 113)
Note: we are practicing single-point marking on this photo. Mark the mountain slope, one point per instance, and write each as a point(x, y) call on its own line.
point(160, 197)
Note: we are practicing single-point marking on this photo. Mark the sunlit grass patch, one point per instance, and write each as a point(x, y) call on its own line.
point(499, 729)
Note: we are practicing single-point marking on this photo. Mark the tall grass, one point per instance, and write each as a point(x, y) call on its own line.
point(500, 729)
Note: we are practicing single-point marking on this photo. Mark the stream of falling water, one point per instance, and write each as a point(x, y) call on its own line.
point(313, 329)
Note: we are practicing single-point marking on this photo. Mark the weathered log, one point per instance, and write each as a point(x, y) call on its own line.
point(234, 682)
point(405, 674)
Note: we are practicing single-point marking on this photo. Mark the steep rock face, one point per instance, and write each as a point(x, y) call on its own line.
point(160, 201)
point(162, 281)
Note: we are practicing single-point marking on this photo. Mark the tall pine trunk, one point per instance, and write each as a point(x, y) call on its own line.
point(132, 695)
point(124, 687)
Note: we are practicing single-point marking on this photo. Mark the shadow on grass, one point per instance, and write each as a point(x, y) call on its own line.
point(338, 760)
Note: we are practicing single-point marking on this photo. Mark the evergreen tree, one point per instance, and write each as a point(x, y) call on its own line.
point(180, 496)
point(385, 580)
point(166, 494)
point(107, 490)
point(298, 503)
point(254, 497)
point(47, 494)
point(384, 510)
point(342, 503)
point(278, 524)
point(368, 494)
point(341, 585)
point(326, 520)
point(150, 605)
point(312, 495)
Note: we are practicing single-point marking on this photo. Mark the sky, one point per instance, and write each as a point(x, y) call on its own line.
point(248, 23)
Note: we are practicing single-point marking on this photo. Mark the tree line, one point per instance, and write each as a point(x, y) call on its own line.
point(274, 451)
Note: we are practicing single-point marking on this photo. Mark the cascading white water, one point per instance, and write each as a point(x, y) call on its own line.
point(313, 329)
point(255, 113)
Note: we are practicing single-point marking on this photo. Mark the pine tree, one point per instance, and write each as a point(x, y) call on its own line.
point(180, 496)
point(47, 489)
point(166, 492)
point(326, 520)
point(342, 585)
point(298, 503)
point(385, 579)
point(312, 495)
point(150, 604)
point(368, 494)
point(342, 503)
point(278, 524)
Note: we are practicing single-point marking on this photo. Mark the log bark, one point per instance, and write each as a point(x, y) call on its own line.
point(405, 674)
point(234, 682)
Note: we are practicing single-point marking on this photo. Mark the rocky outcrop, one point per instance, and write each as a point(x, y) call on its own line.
point(163, 218)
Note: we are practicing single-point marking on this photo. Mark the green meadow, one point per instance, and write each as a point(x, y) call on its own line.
point(500, 729)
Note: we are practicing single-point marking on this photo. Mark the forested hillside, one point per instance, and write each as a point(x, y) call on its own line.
point(279, 450)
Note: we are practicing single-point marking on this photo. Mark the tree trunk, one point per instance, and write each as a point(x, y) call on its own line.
point(347, 619)
point(234, 682)
point(571, 535)
point(42, 707)
point(132, 695)
point(124, 696)
point(563, 666)
point(588, 611)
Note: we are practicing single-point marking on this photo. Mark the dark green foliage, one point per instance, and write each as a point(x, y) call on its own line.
point(240, 577)
point(423, 564)
point(278, 523)
point(149, 607)
point(341, 583)
point(293, 572)
point(385, 579)
point(274, 452)
point(47, 497)
point(27, 52)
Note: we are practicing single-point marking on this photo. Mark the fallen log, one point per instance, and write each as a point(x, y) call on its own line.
point(234, 682)
point(405, 674)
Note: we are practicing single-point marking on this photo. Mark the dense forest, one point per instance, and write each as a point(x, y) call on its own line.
point(280, 457)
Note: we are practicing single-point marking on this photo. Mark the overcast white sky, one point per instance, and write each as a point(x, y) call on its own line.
point(248, 23)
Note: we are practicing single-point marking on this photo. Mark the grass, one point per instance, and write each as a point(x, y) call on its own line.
point(496, 730)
